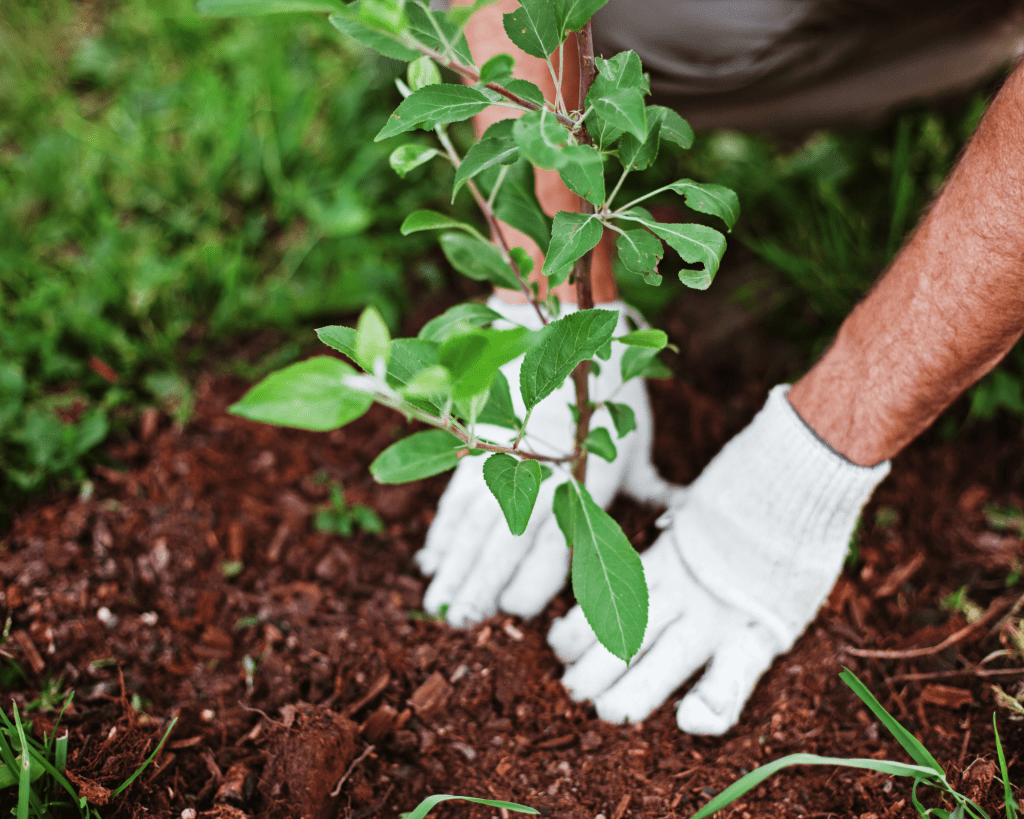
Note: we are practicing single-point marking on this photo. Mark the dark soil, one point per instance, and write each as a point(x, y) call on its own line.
point(305, 681)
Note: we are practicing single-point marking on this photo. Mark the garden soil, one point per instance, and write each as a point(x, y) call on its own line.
point(306, 682)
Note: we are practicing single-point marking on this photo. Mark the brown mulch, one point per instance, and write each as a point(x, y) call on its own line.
point(306, 682)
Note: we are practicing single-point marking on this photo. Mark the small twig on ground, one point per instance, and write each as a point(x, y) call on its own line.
point(337, 788)
point(995, 609)
point(974, 671)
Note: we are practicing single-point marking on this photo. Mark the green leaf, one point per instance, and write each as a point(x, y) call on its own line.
point(483, 155)
point(420, 455)
point(572, 15)
point(517, 204)
point(234, 8)
point(459, 15)
point(582, 171)
point(671, 126)
point(533, 27)
point(655, 339)
point(436, 30)
point(622, 72)
point(525, 89)
point(599, 441)
point(515, 484)
point(497, 69)
point(432, 220)
point(342, 339)
point(388, 15)
point(910, 743)
point(1008, 800)
point(638, 154)
point(694, 243)
point(474, 358)
point(639, 251)
point(372, 339)
point(457, 320)
point(306, 395)
point(434, 105)
point(564, 344)
point(623, 418)
point(477, 259)
point(432, 383)
point(407, 357)
point(348, 23)
point(715, 200)
point(406, 157)
point(428, 804)
point(623, 108)
point(759, 775)
point(541, 138)
point(572, 235)
point(561, 506)
point(607, 576)
point(499, 409)
point(422, 72)
point(642, 362)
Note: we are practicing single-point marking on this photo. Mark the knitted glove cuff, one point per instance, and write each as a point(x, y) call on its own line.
point(780, 506)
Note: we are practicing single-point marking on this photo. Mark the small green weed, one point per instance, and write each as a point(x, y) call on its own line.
point(428, 804)
point(338, 518)
point(925, 771)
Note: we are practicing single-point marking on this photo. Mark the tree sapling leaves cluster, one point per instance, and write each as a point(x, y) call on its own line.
point(449, 378)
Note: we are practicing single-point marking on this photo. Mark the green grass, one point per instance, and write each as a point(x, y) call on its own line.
point(169, 181)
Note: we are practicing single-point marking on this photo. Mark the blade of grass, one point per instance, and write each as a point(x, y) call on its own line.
point(910, 744)
point(25, 776)
point(756, 777)
point(1011, 813)
point(145, 764)
point(428, 804)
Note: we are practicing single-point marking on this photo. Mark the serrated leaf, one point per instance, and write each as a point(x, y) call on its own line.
point(433, 383)
point(483, 155)
point(406, 157)
point(694, 243)
point(407, 357)
point(564, 344)
point(517, 204)
point(458, 319)
point(434, 105)
point(639, 251)
point(599, 442)
point(515, 485)
point(607, 576)
point(621, 72)
point(572, 15)
point(582, 171)
point(527, 90)
point(436, 30)
point(307, 395)
point(348, 23)
point(477, 259)
point(420, 455)
point(388, 15)
point(432, 220)
point(533, 27)
point(372, 339)
point(572, 235)
point(654, 339)
point(671, 126)
point(637, 155)
point(715, 200)
point(474, 358)
point(642, 362)
point(234, 8)
point(499, 409)
point(623, 108)
point(342, 339)
point(623, 418)
point(541, 138)
point(459, 15)
point(422, 72)
point(497, 69)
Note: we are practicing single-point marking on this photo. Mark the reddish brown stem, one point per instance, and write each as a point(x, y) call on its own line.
point(584, 294)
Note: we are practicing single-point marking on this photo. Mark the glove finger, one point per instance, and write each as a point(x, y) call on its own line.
point(715, 703)
point(480, 521)
point(500, 555)
point(681, 649)
point(540, 575)
point(593, 673)
point(570, 636)
point(465, 484)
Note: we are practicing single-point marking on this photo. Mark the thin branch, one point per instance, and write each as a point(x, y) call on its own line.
point(337, 788)
point(615, 190)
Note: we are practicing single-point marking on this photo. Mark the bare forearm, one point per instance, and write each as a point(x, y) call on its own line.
point(950, 306)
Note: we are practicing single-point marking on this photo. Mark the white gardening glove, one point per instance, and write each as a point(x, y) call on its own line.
point(479, 566)
point(746, 561)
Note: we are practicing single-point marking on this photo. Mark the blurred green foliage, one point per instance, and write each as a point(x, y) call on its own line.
point(167, 181)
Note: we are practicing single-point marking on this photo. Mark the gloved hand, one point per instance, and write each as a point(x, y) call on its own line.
point(479, 566)
point(746, 561)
